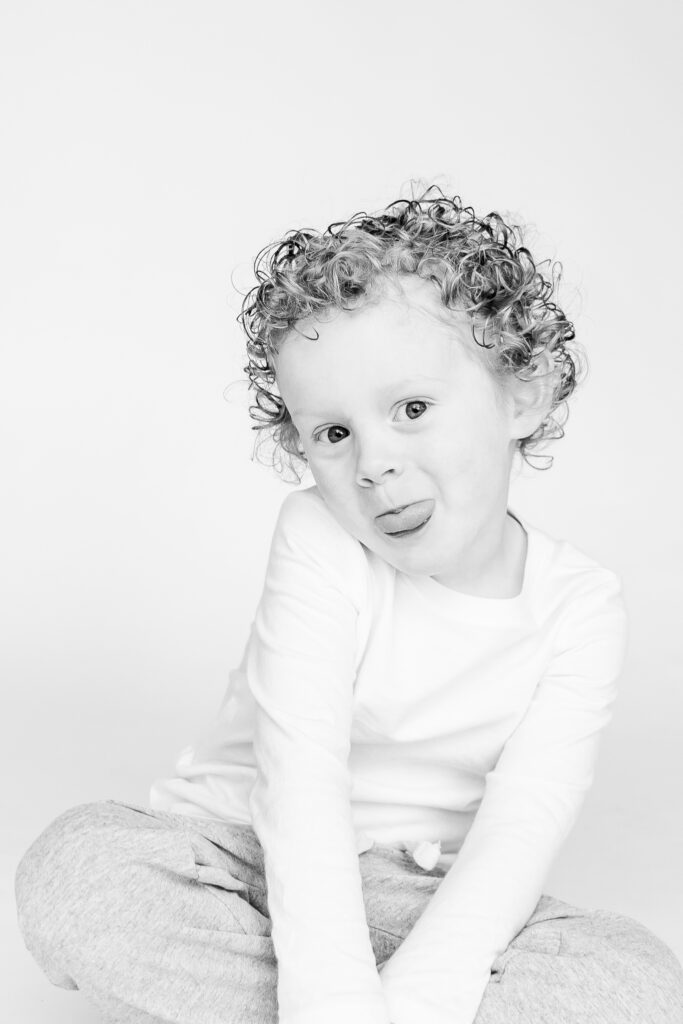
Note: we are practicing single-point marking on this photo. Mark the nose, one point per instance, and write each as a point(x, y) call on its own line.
point(376, 460)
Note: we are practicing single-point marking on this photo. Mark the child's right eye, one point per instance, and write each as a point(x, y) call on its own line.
point(326, 431)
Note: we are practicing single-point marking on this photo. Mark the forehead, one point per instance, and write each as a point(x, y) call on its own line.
point(401, 328)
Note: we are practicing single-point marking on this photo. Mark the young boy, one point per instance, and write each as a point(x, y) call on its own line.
point(364, 831)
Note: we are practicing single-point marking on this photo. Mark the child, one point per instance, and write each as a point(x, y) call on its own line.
point(363, 833)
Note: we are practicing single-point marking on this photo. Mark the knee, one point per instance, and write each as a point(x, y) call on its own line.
point(651, 976)
point(51, 871)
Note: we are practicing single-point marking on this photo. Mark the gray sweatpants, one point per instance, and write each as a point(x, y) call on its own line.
point(160, 917)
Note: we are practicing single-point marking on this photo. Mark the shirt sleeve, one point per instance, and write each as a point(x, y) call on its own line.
point(301, 667)
point(531, 800)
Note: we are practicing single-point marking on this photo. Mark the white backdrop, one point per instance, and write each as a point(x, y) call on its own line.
point(150, 150)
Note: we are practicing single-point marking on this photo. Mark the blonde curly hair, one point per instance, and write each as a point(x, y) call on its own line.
point(479, 265)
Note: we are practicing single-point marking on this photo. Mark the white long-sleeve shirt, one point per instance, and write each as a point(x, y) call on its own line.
point(372, 705)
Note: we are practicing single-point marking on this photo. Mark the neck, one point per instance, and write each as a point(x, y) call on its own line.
point(496, 568)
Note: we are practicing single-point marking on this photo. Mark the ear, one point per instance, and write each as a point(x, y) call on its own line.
point(531, 398)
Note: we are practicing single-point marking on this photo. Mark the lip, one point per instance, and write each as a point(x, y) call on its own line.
point(406, 519)
point(408, 533)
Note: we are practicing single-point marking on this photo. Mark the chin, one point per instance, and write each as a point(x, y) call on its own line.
point(414, 564)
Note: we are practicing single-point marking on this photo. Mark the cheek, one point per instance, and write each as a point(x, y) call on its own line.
point(460, 449)
point(475, 452)
point(327, 479)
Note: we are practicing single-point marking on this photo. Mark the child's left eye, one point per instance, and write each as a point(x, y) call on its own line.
point(412, 404)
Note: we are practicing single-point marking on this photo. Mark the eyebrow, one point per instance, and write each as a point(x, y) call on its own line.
point(421, 378)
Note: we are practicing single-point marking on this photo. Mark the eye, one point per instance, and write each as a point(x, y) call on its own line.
point(412, 405)
point(326, 432)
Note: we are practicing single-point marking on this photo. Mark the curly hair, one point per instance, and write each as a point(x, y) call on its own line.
point(479, 265)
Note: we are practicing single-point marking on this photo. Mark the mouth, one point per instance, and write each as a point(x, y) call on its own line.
point(408, 533)
point(407, 519)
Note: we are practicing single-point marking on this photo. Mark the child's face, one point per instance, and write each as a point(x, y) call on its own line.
point(393, 407)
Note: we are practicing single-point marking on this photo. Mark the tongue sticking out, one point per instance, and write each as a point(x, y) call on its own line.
point(411, 517)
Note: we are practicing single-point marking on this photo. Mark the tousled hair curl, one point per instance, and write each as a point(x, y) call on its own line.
point(479, 265)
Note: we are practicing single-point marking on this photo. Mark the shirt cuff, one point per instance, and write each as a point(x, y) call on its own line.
point(343, 1010)
point(405, 1008)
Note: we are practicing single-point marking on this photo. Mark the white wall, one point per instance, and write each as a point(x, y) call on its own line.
point(150, 150)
